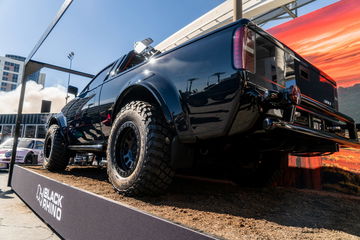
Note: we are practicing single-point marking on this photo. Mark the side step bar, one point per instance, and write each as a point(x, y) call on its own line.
point(87, 148)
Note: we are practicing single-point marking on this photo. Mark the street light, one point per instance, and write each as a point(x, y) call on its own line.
point(70, 57)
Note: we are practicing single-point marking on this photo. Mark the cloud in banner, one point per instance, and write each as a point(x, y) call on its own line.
point(34, 94)
point(329, 38)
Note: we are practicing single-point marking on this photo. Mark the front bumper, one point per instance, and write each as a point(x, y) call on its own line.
point(4, 163)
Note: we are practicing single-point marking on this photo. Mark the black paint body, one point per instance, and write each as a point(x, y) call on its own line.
point(203, 97)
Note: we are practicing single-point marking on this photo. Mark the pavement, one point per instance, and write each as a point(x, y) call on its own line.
point(17, 221)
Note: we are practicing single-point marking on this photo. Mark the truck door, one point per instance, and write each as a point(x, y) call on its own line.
point(83, 117)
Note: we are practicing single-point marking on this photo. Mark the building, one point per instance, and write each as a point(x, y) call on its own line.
point(11, 69)
point(33, 125)
point(10, 73)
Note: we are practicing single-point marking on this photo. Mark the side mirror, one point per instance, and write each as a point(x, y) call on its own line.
point(73, 90)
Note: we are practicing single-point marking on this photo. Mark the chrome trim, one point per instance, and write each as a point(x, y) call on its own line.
point(318, 115)
point(97, 147)
point(327, 110)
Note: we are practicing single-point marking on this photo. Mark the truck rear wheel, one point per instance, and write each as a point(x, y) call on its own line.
point(56, 156)
point(138, 153)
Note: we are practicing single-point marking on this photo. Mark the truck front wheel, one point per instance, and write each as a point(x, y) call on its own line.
point(138, 153)
point(56, 156)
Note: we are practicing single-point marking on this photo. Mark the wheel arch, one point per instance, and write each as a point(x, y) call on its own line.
point(142, 92)
point(57, 119)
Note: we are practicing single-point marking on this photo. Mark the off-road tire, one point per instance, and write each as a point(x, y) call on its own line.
point(151, 173)
point(56, 156)
point(29, 159)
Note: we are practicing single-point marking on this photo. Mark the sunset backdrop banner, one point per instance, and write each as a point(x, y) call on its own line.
point(329, 38)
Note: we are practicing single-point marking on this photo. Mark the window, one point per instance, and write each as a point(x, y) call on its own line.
point(40, 131)
point(13, 86)
point(115, 70)
point(6, 74)
point(3, 84)
point(30, 131)
point(39, 145)
point(14, 77)
point(3, 89)
point(6, 131)
point(99, 79)
point(273, 64)
point(128, 61)
point(16, 68)
point(5, 78)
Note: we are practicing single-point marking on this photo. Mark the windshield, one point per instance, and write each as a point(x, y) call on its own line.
point(23, 143)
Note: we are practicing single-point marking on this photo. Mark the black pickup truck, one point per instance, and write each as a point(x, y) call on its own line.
point(236, 89)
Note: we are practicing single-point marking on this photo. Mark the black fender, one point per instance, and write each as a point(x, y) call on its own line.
point(164, 93)
point(60, 120)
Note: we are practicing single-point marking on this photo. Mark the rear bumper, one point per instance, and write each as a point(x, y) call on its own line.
point(272, 125)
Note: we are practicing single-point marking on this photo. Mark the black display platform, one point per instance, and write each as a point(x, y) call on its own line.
point(77, 214)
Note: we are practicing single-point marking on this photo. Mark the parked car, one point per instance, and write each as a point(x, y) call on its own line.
point(29, 151)
point(235, 92)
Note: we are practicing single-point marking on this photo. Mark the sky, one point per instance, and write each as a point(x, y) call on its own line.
point(332, 45)
point(97, 31)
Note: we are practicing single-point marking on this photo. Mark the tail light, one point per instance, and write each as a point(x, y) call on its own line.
point(294, 94)
point(244, 49)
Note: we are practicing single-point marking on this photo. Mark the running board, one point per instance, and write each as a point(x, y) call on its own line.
point(85, 148)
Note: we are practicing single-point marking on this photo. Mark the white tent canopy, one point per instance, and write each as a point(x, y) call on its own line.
point(223, 14)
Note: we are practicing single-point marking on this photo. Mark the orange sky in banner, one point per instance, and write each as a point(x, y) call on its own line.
point(329, 38)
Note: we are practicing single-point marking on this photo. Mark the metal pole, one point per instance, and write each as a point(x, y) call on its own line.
point(58, 16)
point(237, 8)
point(70, 57)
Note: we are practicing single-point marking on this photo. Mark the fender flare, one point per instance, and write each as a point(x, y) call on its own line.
point(60, 120)
point(163, 92)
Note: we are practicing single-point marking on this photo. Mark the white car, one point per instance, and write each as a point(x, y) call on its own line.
point(29, 151)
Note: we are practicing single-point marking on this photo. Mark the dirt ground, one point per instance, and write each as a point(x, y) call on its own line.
point(227, 211)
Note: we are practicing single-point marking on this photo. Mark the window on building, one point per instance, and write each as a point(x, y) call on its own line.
point(4, 78)
point(3, 89)
point(30, 131)
point(16, 67)
point(6, 131)
point(13, 86)
point(41, 131)
point(14, 77)
point(6, 74)
point(3, 84)
point(6, 68)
